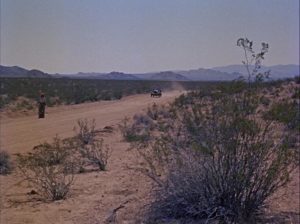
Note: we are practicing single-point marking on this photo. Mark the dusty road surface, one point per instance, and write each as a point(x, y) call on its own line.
point(21, 134)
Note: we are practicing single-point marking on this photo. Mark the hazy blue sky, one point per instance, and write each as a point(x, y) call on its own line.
point(144, 35)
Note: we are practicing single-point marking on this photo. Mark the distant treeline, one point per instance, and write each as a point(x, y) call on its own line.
point(75, 91)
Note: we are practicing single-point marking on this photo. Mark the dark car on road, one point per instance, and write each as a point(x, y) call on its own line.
point(156, 93)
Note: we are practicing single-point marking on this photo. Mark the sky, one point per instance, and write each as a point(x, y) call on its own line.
point(135, 36)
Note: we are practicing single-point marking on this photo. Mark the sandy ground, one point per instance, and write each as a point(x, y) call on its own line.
point(96, 194)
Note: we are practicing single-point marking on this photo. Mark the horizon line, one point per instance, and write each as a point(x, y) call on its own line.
point(119, 71)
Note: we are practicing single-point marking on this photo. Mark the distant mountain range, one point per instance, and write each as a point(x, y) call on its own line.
point(168, 76)
point(15, 71)
point(106, 76)
point(224, 73)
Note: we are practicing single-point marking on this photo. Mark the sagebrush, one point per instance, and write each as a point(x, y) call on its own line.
point(91, 151)
point(49, 169)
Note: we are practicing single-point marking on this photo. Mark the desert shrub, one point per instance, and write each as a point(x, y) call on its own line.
point(49, 168)
point(124, 129)
point(142, 120)
point(91, 151)
point(20, 104)
point(85, 131)
point(53, 101)
point(183, 99)
point(155, 111)
point(221, 166)
point(155, 158)
point(127, 131)
point(193, 96)
point(4, 99)
point(5, 163)
point(94, 154)
point(117, 95)
point(138, 129)
point(296, 94)
point(265, 101)
point(285, 112)
point(152, 111)
point(25, 103)
point(234, 87)
point(106, 95)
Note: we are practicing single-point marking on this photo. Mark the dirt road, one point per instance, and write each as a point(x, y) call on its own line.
point(21, 134)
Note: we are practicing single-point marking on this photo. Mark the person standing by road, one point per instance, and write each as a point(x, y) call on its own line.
point(42, 105)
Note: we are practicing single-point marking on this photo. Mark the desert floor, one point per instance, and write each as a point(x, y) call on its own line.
point(96, 194)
